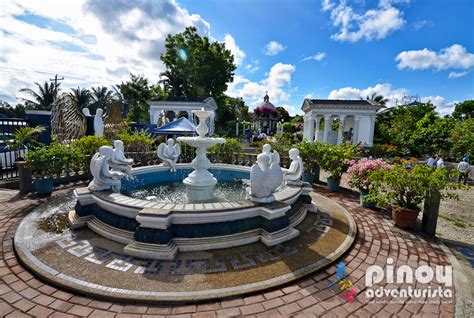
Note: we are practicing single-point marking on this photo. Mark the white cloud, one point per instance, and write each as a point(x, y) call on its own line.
point(291, 110)
point(99, 42)
point(276, 83)
point(455, 56)
point(457, 74)
point(309, 96)
point(447, 109)
point(420, 24)
point(252, 68)
point(395, 96)
point(273, 48)
point(373, 24)
point(317, 57)
point(230, 44)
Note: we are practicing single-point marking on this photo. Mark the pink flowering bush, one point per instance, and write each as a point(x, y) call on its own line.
point(360, 170)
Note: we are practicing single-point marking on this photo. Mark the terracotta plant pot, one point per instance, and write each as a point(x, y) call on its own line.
point(403, 217)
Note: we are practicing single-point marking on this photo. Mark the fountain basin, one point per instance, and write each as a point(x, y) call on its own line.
point(160, 230)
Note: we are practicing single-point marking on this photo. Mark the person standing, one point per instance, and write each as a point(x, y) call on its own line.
point(440, 163)
point(463, 169)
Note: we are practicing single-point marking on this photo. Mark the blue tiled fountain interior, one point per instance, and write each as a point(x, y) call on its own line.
point(153, 177)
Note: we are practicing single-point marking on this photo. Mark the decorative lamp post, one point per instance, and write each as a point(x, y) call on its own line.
point(237, 128)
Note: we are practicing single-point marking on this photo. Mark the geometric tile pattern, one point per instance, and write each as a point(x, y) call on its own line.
point(23, 295)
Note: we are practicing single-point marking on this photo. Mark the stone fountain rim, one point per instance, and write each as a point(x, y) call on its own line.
point(130, 207)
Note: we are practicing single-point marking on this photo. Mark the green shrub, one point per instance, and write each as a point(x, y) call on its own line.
point(335, 158)
point(89, 145)
point(137, 141)
point(53, 159)
point(407, 188)
point(226, 150)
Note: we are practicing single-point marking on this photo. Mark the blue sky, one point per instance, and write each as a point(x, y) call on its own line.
point(293, 49)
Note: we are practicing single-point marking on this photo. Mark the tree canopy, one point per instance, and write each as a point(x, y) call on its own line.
point(196, 66)
point(44, 98)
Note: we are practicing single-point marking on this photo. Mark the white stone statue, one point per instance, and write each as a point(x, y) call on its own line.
point(98, 120)
point(99, 123)
point(294, 174)
point(274, 155)
point(169, 153)
point(265, 178)
point(118, 162)
point(104, 178)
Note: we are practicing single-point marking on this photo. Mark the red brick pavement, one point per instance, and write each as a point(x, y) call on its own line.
point(22, 294)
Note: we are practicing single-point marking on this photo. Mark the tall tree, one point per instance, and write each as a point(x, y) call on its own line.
point(135, 92)
point(44, 98)
point(464, 110)
point(81, 97)
point(205, 67)
point(101, 98)
point(378, 99)
point(284, 114)
point(173, 83)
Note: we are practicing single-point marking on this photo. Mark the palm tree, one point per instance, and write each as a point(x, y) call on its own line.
point(378, 99)
point(101, 98)
point(81, 97)
point(173, 84)
point(44, 99)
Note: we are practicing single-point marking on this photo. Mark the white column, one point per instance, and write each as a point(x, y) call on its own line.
point(317, 120)
point(355, 138)
point(372, 128)
point(305, 127)
point(327, 124)
point(311, 129)
point(341, 128)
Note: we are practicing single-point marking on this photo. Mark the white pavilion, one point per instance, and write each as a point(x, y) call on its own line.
point(356, 120)
point(159, 109)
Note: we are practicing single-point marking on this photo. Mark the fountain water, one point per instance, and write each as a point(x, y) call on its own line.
point(200, 183)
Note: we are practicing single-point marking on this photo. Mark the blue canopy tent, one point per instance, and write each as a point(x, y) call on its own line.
point(181, 126)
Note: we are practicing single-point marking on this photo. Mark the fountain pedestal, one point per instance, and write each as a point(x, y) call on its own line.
point(200, 183)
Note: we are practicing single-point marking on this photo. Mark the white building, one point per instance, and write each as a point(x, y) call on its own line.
point(357, 118)
point(160, 109)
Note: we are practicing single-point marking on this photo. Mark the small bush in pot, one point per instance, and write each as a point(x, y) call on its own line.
point(334, 159)
point(49, 161)
point(405, 189)
point(359, 172)
point(310, 152)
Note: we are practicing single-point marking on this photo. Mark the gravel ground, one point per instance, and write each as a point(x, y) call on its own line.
point(456, 220)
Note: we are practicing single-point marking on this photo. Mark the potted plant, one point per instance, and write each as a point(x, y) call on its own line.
point(310, 153)
point(51, 160)
point(359, 172)
point(405, 189)
point(334, 160)
point(24, 138)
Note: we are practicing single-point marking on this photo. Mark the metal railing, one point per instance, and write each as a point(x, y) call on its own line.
point(8, 168)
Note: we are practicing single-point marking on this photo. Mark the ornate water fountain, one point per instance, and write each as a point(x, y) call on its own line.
point(200, 183)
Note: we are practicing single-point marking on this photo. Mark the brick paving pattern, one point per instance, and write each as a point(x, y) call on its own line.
point(23, 295)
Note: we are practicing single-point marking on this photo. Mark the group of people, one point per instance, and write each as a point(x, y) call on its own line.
point(462, 168)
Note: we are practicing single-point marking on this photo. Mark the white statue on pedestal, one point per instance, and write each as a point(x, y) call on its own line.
point(99, 123)
point(104, 179)
point(98, 120)
point(293, 175)
point(169, 153)
point(265, 178)
point(118, 162)
point(274, 155)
